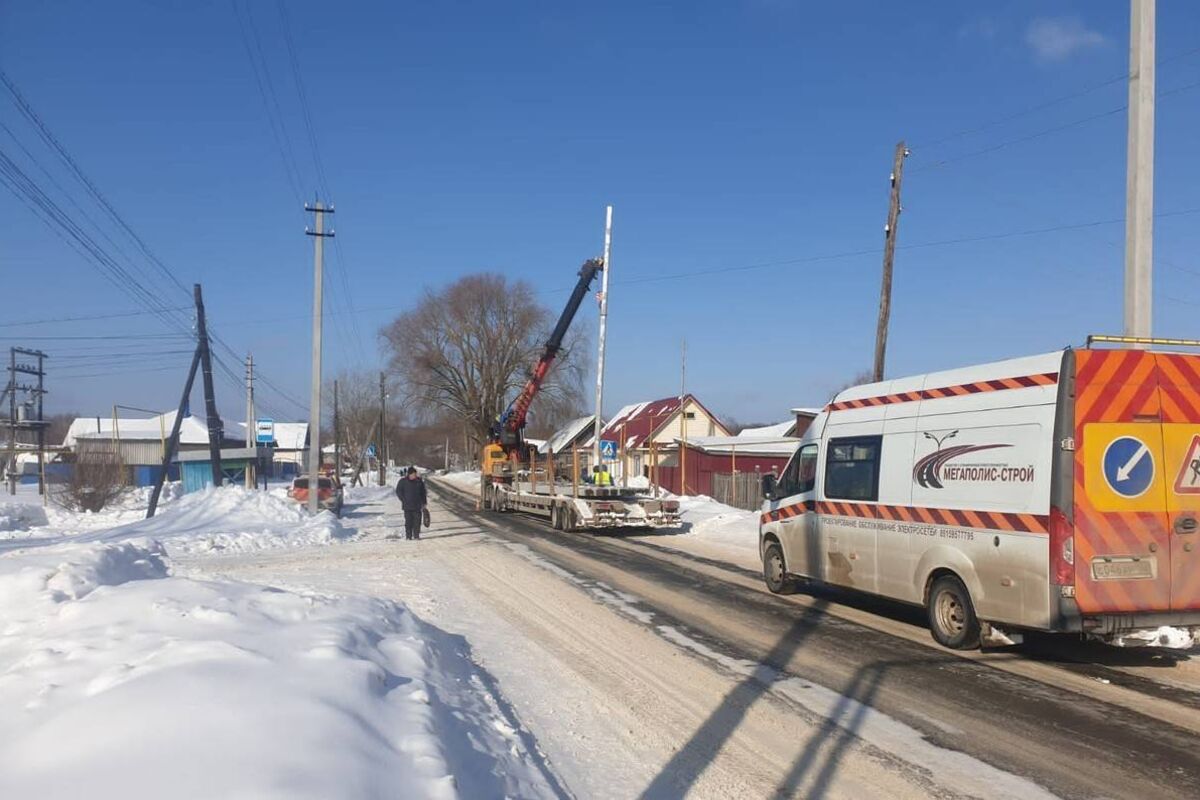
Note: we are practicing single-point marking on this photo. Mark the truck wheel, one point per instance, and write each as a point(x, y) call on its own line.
point(555, 518)
point(952, 617)
point(775, 571)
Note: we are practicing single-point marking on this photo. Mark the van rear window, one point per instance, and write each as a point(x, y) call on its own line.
point(852, 468)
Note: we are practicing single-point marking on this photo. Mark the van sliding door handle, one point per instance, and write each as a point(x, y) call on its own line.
point(1186, 523)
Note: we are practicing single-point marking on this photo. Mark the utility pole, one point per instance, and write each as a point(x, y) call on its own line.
point(314, 405)
point(337, 434)
point(251, 437)
point(1139, 180)
point(599, 422)
point(889, 254)
point(683, 419)
point(215, 432)
point(382, 433)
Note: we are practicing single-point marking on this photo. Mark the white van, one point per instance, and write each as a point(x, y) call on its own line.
point(1057, 492)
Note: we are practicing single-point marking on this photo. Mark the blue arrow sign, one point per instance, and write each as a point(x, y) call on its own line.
point(1128, 466)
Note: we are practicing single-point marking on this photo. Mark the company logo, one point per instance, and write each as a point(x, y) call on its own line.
point(935, 470)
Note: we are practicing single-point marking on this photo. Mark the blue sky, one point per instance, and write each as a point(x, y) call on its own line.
point(465, 136)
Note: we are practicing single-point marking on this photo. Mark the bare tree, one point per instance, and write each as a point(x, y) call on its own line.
point(95, 482)
point(358, 411)
point(466, 350)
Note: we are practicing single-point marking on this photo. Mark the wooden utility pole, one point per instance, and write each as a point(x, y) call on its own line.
point(1139, 181)
point(889, 254)
point(683, 419)
point(215, 432)
point(314, 406)
point(337, 435)
point(380, 456)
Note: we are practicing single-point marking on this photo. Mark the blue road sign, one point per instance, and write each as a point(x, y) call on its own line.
point(608, 449)
point(1128, 466)
point(264, 430)
point(370, 451)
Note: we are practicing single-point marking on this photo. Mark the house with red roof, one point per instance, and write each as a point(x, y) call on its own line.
point(659, 422)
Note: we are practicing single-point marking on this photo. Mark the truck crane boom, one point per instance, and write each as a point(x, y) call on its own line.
point(507, 430)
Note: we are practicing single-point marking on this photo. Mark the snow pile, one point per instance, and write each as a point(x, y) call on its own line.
point(718, 523)
point(466, 481)
point(230, 519)
point(118, 680)
point(1165, 636)
point(21, 517)
point(27, 517)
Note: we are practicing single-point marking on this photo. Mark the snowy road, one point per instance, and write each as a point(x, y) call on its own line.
point(641, 671)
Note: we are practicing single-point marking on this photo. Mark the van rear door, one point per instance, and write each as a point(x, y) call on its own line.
point(1123, 543)
point(1179, 393)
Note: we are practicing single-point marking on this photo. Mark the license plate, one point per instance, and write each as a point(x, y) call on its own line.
point(1122, 569)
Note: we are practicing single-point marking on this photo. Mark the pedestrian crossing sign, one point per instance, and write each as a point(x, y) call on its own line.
point(1188, 479)
point(608, 449)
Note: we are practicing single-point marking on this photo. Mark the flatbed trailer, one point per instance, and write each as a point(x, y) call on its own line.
point(572, 507)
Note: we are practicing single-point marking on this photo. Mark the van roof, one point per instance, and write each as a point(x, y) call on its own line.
point(1043, 364)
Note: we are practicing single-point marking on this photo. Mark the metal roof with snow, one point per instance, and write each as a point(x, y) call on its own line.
point(193, 430)
point(744, 445)
point(776, 430)
point(566, 434)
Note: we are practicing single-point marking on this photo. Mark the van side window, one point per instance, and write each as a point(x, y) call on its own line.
point(852, 468)
point(801, 473)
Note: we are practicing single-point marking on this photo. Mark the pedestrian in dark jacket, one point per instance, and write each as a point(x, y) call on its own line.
point(411, 491)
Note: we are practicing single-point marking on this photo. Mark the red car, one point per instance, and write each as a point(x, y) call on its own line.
point(329, 493)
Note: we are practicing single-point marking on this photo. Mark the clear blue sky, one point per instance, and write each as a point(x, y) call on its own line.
point(465, 136)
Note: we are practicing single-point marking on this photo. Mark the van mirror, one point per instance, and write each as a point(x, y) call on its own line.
point(768, 485)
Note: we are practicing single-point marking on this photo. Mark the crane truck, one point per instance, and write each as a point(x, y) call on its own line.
point(513, 480)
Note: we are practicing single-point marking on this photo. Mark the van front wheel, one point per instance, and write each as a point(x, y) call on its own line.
point(775, 571)
point(952, 617)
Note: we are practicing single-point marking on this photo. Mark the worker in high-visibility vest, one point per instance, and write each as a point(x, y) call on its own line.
point(602, 478)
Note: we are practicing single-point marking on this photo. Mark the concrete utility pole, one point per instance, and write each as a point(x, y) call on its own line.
point(379, 457)
point(599, 424)
point(889, 254)
point(1139, 181)
point(314, 405)
point(251, 435)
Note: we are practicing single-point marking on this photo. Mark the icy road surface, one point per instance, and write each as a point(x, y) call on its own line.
point(644, 677)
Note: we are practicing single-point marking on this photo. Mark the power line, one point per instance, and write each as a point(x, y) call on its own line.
point(1124, 76)
point(878, 250)
point(27, 110)
point(266, 90)
point(1045, 132)
point(85, 318)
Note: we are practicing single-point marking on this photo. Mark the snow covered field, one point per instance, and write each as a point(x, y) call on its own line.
point(120, 676)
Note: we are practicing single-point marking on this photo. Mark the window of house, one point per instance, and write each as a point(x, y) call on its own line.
point(852, 468)
point(689, 415)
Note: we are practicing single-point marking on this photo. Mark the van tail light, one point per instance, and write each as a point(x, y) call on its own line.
point(1062, 549)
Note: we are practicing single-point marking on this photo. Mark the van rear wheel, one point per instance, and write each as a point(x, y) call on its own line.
point(952, 619)
point(775, 571)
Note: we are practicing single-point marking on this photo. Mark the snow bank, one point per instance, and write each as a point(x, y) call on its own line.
point(467, 481)
point(228, 519)
point(21, 517)
point(231, 519)
point(118, 680)
point(718, 523)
